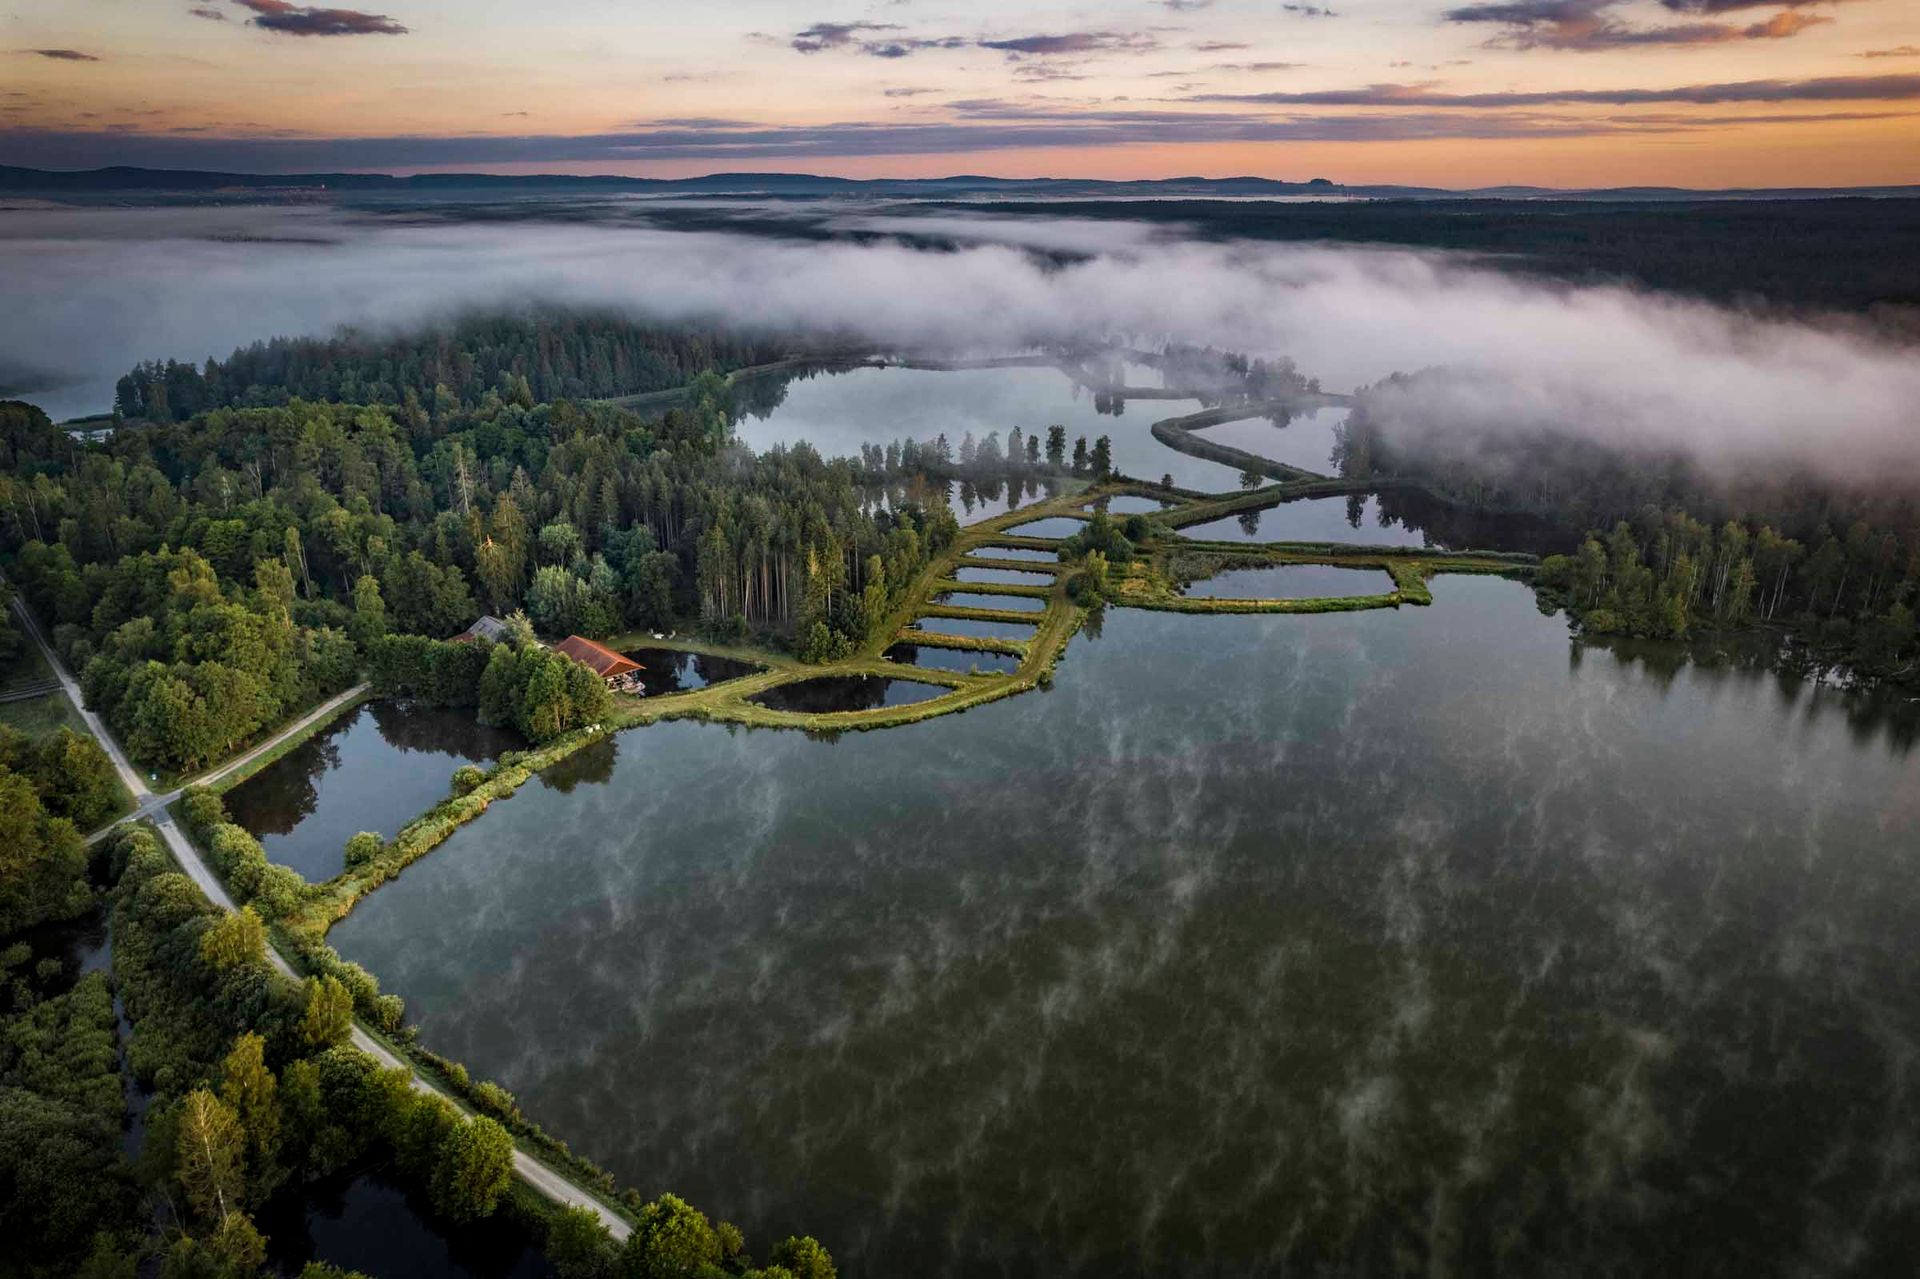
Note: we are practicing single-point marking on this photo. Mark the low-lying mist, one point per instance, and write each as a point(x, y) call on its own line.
point(93, 291)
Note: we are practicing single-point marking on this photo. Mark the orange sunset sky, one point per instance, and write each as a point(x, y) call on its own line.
point(1705, 93)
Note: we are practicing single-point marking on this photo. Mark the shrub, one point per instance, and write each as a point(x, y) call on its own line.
point(363, 848)
point(467, 779)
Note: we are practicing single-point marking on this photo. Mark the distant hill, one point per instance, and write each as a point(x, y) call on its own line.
point(95, 182)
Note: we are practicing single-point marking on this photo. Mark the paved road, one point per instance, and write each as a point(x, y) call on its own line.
point(151, 807)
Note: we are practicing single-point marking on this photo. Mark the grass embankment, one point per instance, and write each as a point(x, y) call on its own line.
point(220, 783)
point(1178, 434)
point(38, 716)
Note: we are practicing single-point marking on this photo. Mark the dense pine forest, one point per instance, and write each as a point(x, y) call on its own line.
point(525, 359)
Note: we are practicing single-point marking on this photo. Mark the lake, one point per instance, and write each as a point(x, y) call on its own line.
point(1411, 940)
point(375, 768)
point(839, 412)
point(1291, 582)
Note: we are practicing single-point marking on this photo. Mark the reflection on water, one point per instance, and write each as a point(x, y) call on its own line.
point(1052, 526)
point(376, 768)
point(951, 659)
point(369, 1224)
point(1128, 504)
point(832, 693)
point(1355, 520)
point(983, 599)
point(1014, 553)
point(974, 628)
point(1291, 582)
point(672, 670)
point(1306, 441)
point(1366, 943)
point(839, 412)
point(1004, 576)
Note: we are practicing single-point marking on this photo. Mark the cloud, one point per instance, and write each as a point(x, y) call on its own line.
point(1898, 51)
point(1186, 6)
point(1732, 6)
point(1584, 26)
point(210, 14)
point(854, 37)
point(1309, 11)
point(1220, 46)
point(906, 91)
point(1889, 88)
point(306, 20)
point(1071, 43)
point(1625, 368)
point(63, 55)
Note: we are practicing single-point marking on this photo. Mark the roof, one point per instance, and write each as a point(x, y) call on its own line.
point(598, 658)
point(487, 628)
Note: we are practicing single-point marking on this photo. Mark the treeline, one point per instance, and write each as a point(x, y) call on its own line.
point(522, 359)
point(208, 577)
point(1841, 571)
point(516, 684)
point(1664, 575)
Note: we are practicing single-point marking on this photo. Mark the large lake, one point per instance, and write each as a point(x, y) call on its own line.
point(838, 412)
point(1410, 940)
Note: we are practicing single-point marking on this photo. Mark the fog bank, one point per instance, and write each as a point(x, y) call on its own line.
point(94, 291)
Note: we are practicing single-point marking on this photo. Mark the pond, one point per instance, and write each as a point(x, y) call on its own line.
point(1291, 582)
point(1378, 942)
point(1052, 526)
point(1026, 553)
point(952, 659)
point(673, 670)
point(974, 628)
point(375, 768)
point(1128, 504)
point(1350, 520)
point(839, 412)
point(1002, 576)
point(986, 599)
point(1306, 441)
point(834, 693)
point(368, 1223)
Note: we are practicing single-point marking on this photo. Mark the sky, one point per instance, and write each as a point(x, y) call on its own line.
point(1456, 93)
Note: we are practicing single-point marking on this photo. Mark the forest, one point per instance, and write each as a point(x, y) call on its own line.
point(526, 359)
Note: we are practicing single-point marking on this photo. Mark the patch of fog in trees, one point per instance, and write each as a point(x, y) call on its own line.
point(93, 291)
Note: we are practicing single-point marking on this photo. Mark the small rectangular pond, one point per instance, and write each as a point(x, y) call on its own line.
point(1128, 504)
point(1052, 526)
point(1348, 520)
point(1002, 576)
point(974, 628)
point(986, 599)
point(673, 670)
point(831, 694)
point(1026, 553)
point(964, 660)
point(376, 768)
point(1291, 582)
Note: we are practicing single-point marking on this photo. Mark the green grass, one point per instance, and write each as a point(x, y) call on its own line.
point(30, 667)
point(38, 716)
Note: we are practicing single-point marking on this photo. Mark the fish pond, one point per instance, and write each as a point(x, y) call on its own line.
point(1291, 582)
point(673, 670)
point(376, 768)
point(1403, 940)
point(828, 694)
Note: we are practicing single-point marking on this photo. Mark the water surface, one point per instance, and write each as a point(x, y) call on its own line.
point(673, 670)
point(376, 768)
point(833, 693)
point(986, 599)
point(1385, 942)
point(1305, 441)
point(1291, 582)
point(1002, 576)
point(974, 628)
point(1351, 520)
point(951, 659)
point(1051, 526)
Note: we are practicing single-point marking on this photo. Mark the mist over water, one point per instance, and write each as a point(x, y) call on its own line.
point(95, 290)
point(1349, 943)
